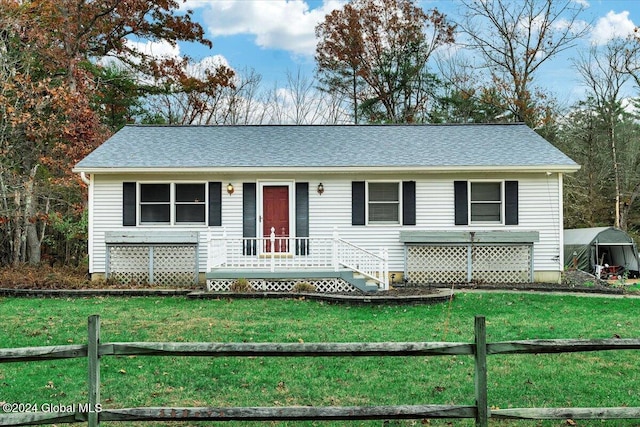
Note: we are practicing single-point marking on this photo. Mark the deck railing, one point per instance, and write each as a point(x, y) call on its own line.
point(370, 265)
point(276, 253)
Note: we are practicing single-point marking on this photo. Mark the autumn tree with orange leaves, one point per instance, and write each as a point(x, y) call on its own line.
point(52, 95)
point(377, 53)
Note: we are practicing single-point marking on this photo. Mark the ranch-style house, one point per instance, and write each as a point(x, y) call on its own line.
point(342, 207)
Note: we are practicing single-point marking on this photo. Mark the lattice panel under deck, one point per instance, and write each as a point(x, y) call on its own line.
point(175, 265)
point(129, 263)
point(329, 285)
point(436, 264)
point(501, 264)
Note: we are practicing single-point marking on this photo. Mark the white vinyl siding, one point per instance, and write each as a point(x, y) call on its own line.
point(539, 210)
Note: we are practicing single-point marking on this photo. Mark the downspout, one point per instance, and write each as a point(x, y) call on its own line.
point(561, 259)
point(87, 181)
point(84, 178)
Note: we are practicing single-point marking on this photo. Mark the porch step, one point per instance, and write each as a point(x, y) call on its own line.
point(357, 280)
point(360, 281)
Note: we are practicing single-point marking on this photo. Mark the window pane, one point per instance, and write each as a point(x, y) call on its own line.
point(190, 193)
point(155, 193)
point(155, 213)
point(485, 191)
point(383, 192)
point(383, 212)
point(485, 212)
point(190, 213)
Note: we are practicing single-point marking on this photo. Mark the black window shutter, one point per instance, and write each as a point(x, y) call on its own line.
point(357, 203)
point(511, 202)
point(409, 203)
point(215, 204)
point(249, 217)
point(302, 218)
point(128, 204)
point(461, 202)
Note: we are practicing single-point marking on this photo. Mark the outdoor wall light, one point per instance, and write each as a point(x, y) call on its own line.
point(230, 189)
point(320, 189)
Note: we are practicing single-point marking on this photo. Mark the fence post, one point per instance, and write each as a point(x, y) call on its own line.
point(482, 414)
point(94, 370)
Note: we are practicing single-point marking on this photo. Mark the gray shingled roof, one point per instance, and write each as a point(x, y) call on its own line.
point(419, 146)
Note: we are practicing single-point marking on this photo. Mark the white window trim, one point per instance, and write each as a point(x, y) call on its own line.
point(502, 202)
point(366, 204)
point(172, 205)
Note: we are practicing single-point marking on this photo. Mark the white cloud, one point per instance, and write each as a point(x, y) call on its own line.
point(207, 63)
point(611, 26)
point(276, 24)
point(161, 49)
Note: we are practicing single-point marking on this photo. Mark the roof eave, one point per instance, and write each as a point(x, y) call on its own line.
point(325, 169)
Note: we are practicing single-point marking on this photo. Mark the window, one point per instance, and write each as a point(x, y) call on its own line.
point(155, 203)
point(172, 203)
point(486, 202)
point(190, 203)
point(384, 202)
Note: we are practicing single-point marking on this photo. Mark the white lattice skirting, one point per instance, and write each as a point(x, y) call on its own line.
point(167, 265)
point(454, 264)
point(330, 285)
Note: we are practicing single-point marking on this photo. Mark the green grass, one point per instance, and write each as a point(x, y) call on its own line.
point(579, 379)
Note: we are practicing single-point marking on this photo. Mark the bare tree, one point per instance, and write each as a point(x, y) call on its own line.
point(242, 104)
point(306, 108)
point(516, 37)
point(601, 73)
point(297, 102)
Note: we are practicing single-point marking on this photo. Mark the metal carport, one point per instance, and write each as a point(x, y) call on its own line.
point(601, 246)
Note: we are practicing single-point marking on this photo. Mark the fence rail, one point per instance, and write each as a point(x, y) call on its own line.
point(93, 413)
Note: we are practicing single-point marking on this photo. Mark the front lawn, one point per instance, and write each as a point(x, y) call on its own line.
point(579, 379)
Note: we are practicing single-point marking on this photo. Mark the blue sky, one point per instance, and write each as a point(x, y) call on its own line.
point(276, 36)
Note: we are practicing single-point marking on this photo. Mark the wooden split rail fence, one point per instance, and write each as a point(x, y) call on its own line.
point(93, 413)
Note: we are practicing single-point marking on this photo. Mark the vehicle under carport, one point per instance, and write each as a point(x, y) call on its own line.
point(607, 252)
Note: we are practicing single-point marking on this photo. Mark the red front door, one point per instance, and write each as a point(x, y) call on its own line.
point(275, 210)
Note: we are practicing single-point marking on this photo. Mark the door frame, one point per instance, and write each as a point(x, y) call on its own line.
point(291, 186)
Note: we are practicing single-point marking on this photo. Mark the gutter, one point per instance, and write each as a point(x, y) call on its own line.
point(324, 169)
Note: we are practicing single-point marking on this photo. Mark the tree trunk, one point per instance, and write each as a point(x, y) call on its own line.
point(30, 220)
point(616, 172)
point(8, 226)
point(16, 242)
point(354, 95)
